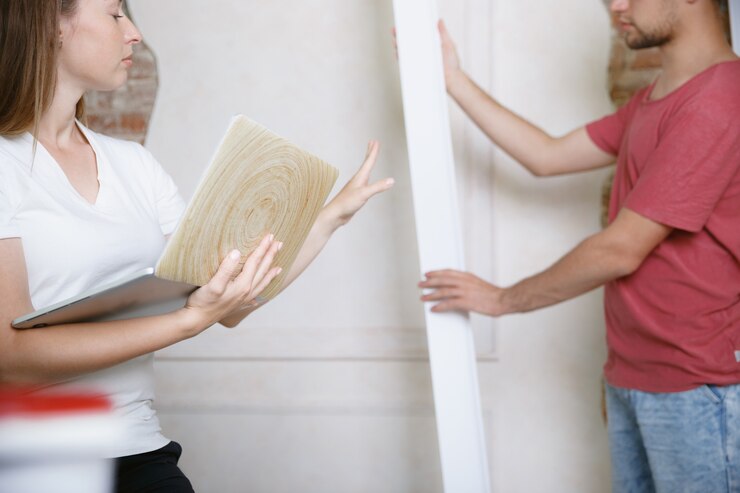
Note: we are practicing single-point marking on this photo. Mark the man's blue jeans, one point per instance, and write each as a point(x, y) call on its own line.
point(675, 442)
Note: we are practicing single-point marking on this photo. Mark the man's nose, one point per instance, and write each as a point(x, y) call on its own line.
point(619, 5)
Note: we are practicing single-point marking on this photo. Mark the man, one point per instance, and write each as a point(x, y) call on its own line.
point(669, 259)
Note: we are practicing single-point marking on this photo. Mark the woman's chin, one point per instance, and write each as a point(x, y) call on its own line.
point(111, 85)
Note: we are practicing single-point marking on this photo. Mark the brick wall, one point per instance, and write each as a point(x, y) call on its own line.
point(125, 113)
point(630, 70)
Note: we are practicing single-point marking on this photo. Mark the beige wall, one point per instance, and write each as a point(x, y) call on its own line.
point(327, 388)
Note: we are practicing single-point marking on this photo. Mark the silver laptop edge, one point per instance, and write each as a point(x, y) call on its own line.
point(138, 294)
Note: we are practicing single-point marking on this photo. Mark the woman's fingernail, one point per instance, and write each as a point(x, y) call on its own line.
point(280, 269)
point(280, 245)
point(235, 254)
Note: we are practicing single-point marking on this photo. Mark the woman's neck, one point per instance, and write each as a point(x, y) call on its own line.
point(57, 127)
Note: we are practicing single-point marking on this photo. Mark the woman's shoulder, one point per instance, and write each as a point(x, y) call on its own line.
point(17, 147)
point(17, 154)
point(16, 159)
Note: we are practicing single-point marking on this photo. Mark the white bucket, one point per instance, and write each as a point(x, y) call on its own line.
point(56, 443)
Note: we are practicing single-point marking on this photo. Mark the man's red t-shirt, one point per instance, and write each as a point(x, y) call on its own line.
point(674, 324)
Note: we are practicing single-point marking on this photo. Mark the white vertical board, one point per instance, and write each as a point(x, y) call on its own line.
point(734, 6)
point(450, 337)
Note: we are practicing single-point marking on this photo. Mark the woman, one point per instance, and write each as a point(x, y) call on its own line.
point(71, 200)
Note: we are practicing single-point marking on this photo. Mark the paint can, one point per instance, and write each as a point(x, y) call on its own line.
point(53, 442)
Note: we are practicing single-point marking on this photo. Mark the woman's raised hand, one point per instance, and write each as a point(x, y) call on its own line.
point(358, 189)
point(234, 287)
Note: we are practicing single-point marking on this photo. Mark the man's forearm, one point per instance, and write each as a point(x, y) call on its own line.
point(614, 252)
point(536, 150)
point(525, 142)
point(593, 263)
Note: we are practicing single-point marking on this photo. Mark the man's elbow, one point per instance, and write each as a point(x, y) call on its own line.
point(629, 240)
point(541, 164)
point(617, 257)
point(627, 262)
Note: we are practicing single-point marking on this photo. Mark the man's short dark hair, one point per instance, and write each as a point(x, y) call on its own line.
point(724, 13)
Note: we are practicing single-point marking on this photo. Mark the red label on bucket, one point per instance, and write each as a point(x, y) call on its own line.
point(19, 403)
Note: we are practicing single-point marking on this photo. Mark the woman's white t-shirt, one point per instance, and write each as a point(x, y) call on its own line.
point(71, 245)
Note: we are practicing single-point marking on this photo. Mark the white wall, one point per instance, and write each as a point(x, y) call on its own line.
point(550, 62)
point(327, 388)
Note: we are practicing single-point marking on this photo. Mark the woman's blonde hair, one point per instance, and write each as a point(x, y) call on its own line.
point(29, 47)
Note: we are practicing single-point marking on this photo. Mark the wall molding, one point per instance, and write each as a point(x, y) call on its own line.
point(312, 344)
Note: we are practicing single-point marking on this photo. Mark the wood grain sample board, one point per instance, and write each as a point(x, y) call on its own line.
point(257, 183)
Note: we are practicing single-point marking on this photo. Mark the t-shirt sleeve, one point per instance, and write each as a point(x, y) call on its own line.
point(607, 132)
point(167, 199)
point(8, 228)
point(688, 172)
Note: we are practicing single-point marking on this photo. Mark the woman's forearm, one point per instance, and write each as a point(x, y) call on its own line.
point(56, 353)
point(324, 226)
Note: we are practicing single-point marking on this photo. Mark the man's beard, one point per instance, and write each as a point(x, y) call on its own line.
point(657, 36)
point(647, 40)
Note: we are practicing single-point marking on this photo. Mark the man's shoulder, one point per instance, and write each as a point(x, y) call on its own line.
point(722, 89)
point(714, 95)
point(729, 69)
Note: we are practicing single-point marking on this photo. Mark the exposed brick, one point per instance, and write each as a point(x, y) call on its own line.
point(97, 102)
point(125, 112)
point(635, 79)
point(614, 18)
point(103, 123)
point(647, 58)
point(135, 137)
point(617, 59)
point(619, 96)
point(605, 195)
point(139, 94)
point(144, 64)
point(134, 123)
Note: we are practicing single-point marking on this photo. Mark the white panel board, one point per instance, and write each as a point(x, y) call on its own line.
point(735, 24)
point(451, 349)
